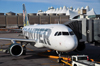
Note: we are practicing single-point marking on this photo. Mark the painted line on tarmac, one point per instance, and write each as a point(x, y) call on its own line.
point(8, 44)
point(46, 63)
point(56, 65)
point(56, 62)
point(97, 62)
point(55, 57)
point(66, 63)
point(29, 49)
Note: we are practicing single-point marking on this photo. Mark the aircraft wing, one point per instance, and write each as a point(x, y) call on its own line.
point(12, 29)
point(14, 39)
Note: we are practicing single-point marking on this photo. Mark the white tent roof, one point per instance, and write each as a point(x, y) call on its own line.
point(53, 11)
point(74, 9)
point(67, 8)
point(91, 12)
point(50, 10)
point(87, 8)
point(57, 10)
point(64, 10)
point(71, 13)
point(60, 10)
point(82, 7)
point(71, 8)
point(78, 9)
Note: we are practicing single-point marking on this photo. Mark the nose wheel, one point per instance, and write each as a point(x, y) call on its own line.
point(59, 59)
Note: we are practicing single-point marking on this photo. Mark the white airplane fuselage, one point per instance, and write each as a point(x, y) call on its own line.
point(54, 36)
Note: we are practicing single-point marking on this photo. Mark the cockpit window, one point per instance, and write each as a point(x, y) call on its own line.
point(59, 33)
point(56, 33)
point(71, 33)
point(65, 33)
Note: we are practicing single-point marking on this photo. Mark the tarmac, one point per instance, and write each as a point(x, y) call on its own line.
point(37, 57)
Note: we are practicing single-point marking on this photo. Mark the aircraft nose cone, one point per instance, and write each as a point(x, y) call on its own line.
point(72, 44)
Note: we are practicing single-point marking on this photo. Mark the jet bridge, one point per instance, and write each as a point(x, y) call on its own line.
point(86, 30)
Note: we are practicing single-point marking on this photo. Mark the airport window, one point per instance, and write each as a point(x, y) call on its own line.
point(65, 33)
point(41, 29)
point(71, 33)
point(46, 29)
point(37, 29)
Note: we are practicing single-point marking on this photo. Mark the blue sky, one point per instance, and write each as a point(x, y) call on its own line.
point(32, 6)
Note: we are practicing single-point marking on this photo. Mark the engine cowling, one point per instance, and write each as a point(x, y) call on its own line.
point(80, 47)
point(15, 49)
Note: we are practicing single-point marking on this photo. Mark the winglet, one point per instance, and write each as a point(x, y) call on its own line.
point(25, 17)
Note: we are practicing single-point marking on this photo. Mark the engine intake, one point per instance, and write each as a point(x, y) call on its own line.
point(15, 49)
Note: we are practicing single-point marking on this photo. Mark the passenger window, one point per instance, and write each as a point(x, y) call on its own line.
point(46, 29)
point(56, 34)
point(65, 33)
point(71, 33)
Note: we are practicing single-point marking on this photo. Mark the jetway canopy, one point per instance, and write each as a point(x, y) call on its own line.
point(86, 30)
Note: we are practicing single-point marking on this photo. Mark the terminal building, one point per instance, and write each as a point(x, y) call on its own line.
point(70, 11)
point(51, 16)
point(13, 20)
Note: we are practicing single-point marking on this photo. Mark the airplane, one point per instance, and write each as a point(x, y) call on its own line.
point(53, 36)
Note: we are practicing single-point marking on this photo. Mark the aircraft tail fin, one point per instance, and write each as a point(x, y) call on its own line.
point(25, 17)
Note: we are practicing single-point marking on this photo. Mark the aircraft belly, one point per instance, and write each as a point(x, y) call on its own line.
point(39, 45)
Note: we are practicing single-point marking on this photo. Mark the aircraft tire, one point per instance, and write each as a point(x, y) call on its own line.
point(59, 60)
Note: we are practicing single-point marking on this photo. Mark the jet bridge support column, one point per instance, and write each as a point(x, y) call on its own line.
point(87, 30)
point(84, 30)
point(90, 30)
point(96, 31)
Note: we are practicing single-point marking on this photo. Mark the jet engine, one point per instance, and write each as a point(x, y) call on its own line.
point(15, 49)
point(81, 47)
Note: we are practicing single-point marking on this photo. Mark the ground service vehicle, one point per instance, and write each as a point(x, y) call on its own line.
point(82, 60)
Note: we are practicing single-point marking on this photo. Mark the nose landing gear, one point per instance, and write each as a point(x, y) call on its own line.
point(59, 59)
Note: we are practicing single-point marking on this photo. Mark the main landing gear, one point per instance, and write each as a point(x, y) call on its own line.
point(59, 59)
point(23, 44)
